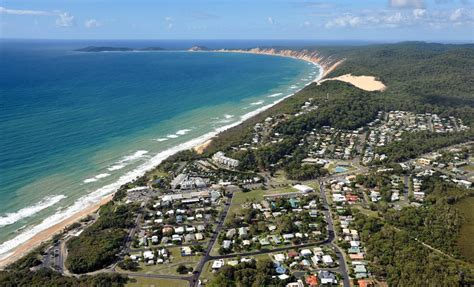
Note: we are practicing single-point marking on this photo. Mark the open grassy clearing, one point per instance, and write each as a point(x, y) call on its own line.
point(168, 268)
point(155, 282)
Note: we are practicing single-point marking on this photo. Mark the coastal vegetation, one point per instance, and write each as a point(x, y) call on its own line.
point(97, 246)
point(48, 277)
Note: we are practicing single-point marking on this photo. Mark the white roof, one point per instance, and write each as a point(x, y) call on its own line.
point(217, 264)
point(148, 254)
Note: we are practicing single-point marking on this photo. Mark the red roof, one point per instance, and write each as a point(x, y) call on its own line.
point(292, 254)
point(312, 280)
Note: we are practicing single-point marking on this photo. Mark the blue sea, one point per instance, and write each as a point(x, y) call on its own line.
point(75, 126)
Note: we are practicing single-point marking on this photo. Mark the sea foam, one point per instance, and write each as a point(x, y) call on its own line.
point(274, 95)
point(258, 103)
point(13, 217)
point(183, 132)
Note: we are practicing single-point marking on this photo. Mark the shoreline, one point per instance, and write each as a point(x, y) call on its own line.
point(48, 233)
point(199, 144)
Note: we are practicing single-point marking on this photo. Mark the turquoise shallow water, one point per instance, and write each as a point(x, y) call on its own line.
point(76, 125)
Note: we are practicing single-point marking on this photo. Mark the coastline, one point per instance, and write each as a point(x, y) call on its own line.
point(48, 233)
point(104, 194)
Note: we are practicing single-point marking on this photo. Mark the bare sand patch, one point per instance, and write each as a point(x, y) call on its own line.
point(367, 83)
point(199, 149)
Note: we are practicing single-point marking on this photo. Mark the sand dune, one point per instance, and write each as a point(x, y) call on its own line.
point(367, 83)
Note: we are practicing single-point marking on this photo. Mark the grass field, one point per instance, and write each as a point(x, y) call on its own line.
point(155, 282)
point(466, 235)
point(253, 195)
point(169, 268)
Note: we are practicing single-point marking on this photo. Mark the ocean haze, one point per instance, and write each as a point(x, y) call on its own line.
point(75, 122)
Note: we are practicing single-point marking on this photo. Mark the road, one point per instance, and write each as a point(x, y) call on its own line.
point(332, 236)
point(206, 257)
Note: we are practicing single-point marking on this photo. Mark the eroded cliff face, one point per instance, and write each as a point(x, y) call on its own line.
point(327, 63)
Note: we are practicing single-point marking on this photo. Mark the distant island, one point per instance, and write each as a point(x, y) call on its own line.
point(116, 49)
point(198, 48)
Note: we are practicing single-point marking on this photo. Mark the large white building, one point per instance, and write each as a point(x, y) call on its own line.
point(220, 158)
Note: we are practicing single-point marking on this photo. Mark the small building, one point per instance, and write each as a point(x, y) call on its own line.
point(186, 251)
point(217, 264)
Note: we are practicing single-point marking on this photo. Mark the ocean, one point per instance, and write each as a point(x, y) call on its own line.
point(75, 126)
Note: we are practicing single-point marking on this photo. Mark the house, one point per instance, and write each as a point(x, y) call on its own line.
point(189, 237)
point(246, 243)
point(264, 241)
point(176, 237)
point(167, 230)
point(312, 280)
point(280, 257)
point(201, 228)
point(283, 277)
point(327, 277)
point(217, 264)
point(226, 244)
point(298, 283)
point(186, 251)
point(199, 236)
point(327, 259)
point(148, 255)
point(288, 237)
point(243, 232)
point(337, 197)
point(360, 269)
point(375, 196)
point(306, 252)
point(292, 254)
point(179, 230)
point(313, 213)
point(303, 188)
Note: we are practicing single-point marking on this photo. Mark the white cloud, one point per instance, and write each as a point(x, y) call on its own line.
point(65, 20)
point(456, 15)
point(92, 23)
point(4, 10)
point(419, 13)
point(271, 21)
point(407, 3)
point(344, 21)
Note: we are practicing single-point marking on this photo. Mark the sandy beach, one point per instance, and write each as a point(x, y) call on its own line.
point(367, 83)
point(47, 234)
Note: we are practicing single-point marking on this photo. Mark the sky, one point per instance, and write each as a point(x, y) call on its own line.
point(373, 20)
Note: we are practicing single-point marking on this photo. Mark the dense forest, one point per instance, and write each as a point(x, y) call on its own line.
point(97, 246)
point(392, 245)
